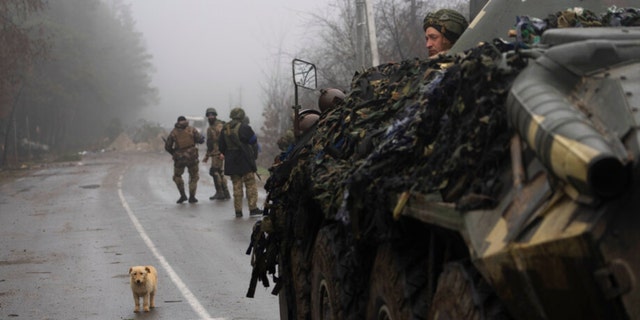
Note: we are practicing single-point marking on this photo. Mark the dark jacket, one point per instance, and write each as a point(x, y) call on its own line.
point(238, 145)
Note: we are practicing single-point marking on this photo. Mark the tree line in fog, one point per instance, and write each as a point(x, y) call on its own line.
point(70, 70)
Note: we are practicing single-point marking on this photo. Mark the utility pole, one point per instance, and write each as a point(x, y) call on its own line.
point(366, 33)
point(360, 34)
point(373, 39)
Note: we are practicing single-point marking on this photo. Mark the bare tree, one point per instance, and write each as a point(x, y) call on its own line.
point(98, 73)
point(399, 32)
point(333, 45)
point(399, 24)
point(21, 44)
point(277, 108)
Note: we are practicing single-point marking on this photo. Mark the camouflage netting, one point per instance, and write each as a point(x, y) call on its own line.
point(429, 126)
point(423, 126)
point(529, 29)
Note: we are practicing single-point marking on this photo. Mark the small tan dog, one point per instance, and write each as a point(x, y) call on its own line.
point(144, 284)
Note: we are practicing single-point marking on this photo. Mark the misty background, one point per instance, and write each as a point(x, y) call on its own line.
point(216, 53)
point(78, 75)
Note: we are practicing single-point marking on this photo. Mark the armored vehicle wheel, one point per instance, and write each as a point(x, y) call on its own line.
point(325, 304)
point(463, 294)
point(324, 290)
point(386, 292)
point(301, 284)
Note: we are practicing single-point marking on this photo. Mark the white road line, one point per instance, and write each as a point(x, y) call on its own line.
point(191, 299)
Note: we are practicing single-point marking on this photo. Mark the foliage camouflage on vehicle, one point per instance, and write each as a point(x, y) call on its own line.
point(429, 126)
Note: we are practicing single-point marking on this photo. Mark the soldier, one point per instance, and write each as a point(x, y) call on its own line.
point(181, 144)
point(238, 143)
point(442, 29)
point(217, 158)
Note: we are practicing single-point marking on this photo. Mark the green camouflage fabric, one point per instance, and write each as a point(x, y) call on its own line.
point(181, 144)
point(416, 125)
point(248, 181)
point(216, 171)
point(194, 176)
point(213, 150)
point(186, 157)
point(434, 126)
point(448, 22)
point(529, 29)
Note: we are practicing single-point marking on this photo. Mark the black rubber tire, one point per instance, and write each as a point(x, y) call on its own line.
point(387, 288)
point(301, 284)
point(325, 302)
point(463, 294)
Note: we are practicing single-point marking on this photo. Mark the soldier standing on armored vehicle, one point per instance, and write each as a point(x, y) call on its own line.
point(181, 144)
point(217, 159)
point(442, 29)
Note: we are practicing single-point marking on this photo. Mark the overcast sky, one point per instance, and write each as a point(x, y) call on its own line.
point(214, 53)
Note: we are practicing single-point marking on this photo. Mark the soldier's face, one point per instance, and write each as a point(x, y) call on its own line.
point(211, 118)
point(436, 42)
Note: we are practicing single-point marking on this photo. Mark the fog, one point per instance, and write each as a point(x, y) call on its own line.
point(215, 53)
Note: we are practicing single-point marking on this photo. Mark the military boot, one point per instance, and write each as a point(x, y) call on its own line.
point(183, 196)
point(255, 212)
point(192, 198)
point(238, 214)
point(219, 186)
point(226, 195)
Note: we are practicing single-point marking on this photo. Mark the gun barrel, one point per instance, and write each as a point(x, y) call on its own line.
point(539, 107)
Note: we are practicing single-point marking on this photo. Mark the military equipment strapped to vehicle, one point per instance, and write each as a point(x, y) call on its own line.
point(499, 182)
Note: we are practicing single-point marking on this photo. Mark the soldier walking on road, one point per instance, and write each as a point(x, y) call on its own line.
point(217, 159)
point(181, 144)
point(238, 144)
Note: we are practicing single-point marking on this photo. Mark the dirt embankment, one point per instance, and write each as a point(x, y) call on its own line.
point(124, 143)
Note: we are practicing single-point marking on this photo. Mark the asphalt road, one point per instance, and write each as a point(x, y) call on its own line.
point(70, 232)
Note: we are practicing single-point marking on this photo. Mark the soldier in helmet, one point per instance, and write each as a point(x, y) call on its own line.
point(238, 143)
point(217, 159)
point(307, 120)
point(181, 144)
point(330, 98)
point(442, 29)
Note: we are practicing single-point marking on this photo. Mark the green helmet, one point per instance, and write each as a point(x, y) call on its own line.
point(237, 114)
point(448, 22)
point(211, 111)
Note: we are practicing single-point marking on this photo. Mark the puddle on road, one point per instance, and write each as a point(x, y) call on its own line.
point(90, 186)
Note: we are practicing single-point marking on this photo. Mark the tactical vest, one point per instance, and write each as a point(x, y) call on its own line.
point(213, 133)
point(231, 136)
point(184, 138)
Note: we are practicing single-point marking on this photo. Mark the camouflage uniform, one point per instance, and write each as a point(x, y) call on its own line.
point(249, 181)
point(181, 144)
point(213, 151)
point(238, 143)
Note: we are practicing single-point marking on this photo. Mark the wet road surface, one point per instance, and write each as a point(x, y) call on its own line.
point(70, 232)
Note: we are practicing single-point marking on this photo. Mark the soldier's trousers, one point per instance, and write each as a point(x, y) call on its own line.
point(219, 181)
point(247, 180)
point(194, 176)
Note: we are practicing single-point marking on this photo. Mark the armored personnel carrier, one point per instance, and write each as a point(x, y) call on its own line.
point(498, 182)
